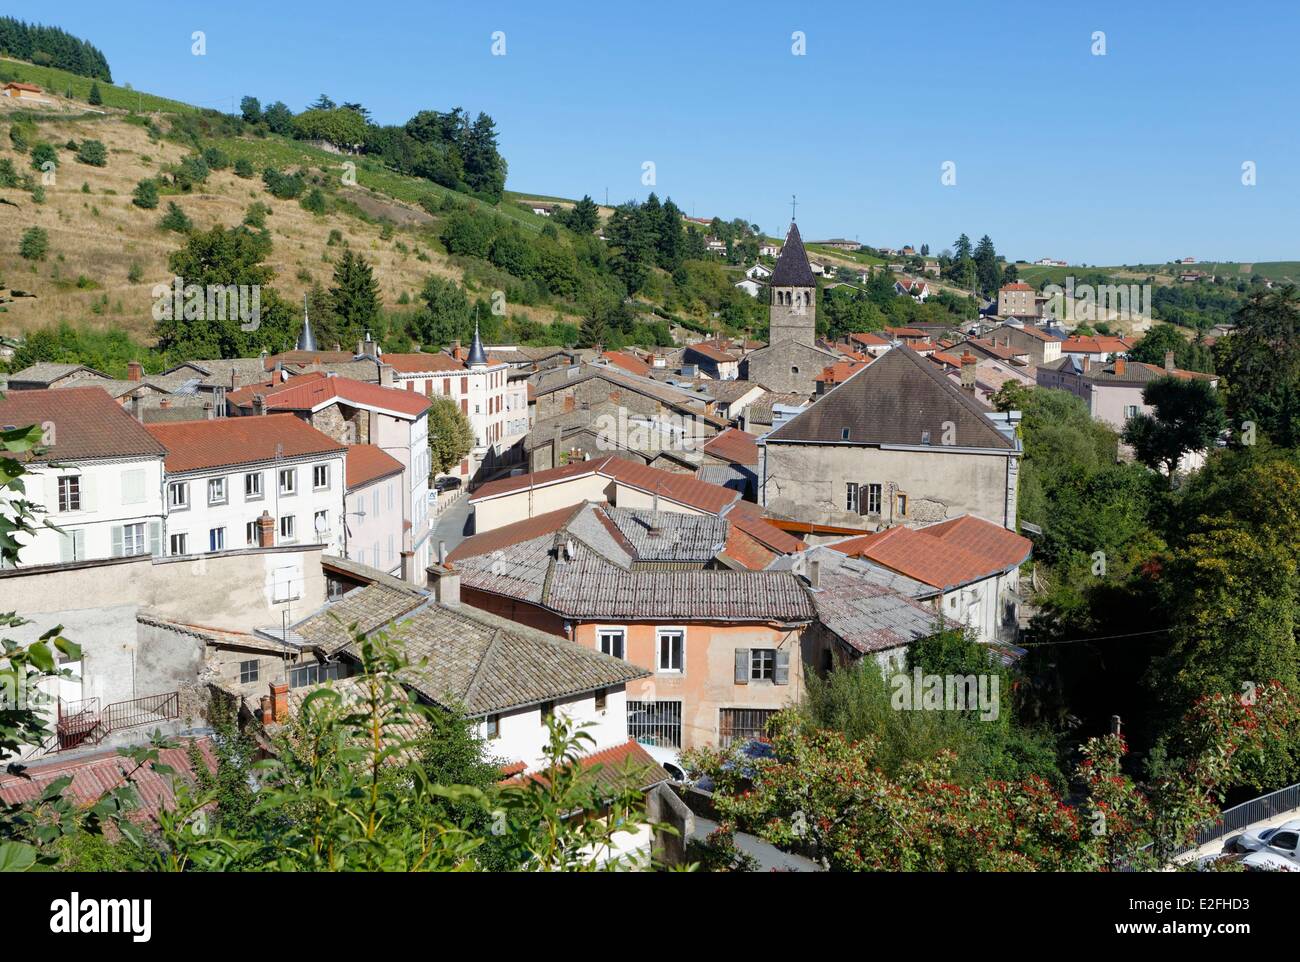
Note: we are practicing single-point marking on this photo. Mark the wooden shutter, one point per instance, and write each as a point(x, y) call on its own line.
point(782, 667)
point(133, 486)
point(66, 547)
point(742, 666)
point(87, 491)
point(117, 540)
point(155, 538)
point(79, 544)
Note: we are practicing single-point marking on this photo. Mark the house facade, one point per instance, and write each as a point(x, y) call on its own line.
point(98, 474)
point(374, 518)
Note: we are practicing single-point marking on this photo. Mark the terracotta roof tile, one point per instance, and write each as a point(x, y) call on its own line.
point(366, 463)
point(308, 392)
point(734, 445)
point(633, 365)
point(194, 445)
point(944, 555)
point(85, 424)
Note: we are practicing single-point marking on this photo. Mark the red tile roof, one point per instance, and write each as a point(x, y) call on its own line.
point(309, 392)
point(734, 445)
point(744, 550)
point(712, 352)
point(869, 339)
point(682, 488)
point(633, 365)
point(1095, 344)
point(906, 332)
point(366, 463)
point(194, 445)
point(840, 371)
point(84, 424)
point(943, 555)
point(19, 85)
point(420, 362)
point(1017, 286)
point(626, 765)
point(749, 517)
point(94, 775)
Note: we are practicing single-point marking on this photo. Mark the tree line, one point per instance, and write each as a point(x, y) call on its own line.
point(52, 47)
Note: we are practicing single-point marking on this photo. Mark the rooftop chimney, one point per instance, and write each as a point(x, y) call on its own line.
point(386, 375)
point(134, 372)
point(259, 403)
point(968, 364)
point(442, 552)
point(1169, 361)
point(814, 573)
point(1120, 367)
point(279, 703)
point(408, 566)
point(234, 379)
point(265, 530)
point(444, 582)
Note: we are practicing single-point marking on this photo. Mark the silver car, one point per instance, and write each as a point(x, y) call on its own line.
point(1280, 840)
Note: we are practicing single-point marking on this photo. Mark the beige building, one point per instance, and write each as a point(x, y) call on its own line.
point(1017, 300)
point(897, 443)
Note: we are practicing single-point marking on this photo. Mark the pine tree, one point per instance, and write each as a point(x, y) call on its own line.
point(355, 294)
point(95, 98)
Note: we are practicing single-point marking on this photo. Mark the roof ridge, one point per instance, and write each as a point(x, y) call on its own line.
point(471, 690)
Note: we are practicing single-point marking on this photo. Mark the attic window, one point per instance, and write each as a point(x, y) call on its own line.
point(844, 434)
point(925, 437)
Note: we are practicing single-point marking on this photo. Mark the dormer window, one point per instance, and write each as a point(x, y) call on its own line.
point(844, 434)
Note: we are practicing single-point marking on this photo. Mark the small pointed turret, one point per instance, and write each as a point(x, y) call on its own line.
point(306, 339)
point(477, 356)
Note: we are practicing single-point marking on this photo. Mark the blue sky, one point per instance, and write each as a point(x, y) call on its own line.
point(1132, 156)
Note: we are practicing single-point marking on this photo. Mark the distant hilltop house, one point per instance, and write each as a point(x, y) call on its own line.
point(839, 243)
point(1187, 260)
point(770, 250)
point(545, 210)
point(1051, 262)
point(24, 91)
point(1191, 277)
point(715, 245)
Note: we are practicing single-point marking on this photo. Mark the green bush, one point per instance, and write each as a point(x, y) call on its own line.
point(175, 219)
point(146, 195)
point(244, 168)
point(35, 244)
point(43, 154)
point(94, 153)
point(283, 186)
point(314, 202)
point(216, 158)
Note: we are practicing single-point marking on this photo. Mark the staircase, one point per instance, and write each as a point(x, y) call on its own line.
point(86, 723)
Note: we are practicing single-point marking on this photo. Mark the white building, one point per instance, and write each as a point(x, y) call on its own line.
point(99, 476)
point(496, 407)
point(223, 475)
point(374, 520)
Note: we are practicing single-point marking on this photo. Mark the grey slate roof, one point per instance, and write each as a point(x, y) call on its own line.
point(484, 664)
point(369, 608)
point(869, 617)
point(897, 399)
point(44, 373)
point(792, 268)
point(681, 537)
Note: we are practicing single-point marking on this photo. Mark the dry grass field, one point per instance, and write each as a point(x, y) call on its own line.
point(97, 235)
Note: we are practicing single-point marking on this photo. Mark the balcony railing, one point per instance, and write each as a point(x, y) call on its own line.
point(84, 722)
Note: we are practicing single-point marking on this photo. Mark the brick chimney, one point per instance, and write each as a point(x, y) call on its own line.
point(234, 379)
point(265, 530)
point(968, 363)
point(1120, 367)
point(408, 566)
point(134, 372)
point(1169, 362)
point(386, 375)
point(259, 403)
point(279, 703)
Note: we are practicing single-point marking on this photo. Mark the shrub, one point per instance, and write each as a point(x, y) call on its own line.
point(243, 168)
point(96, 98)
point(192, 170)
point(146, 195)
point(175, 219)
point(18, 137)
point(256, 215)
point(8, 174)
point(94, 153)
point(216, 158)
point(43, 154)
point(282, 185)
point(38, 194)
point(314, 202)
point(35, 244)
point(136, 273)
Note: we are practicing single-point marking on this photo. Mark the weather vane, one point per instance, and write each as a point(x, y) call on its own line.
point(793, 204)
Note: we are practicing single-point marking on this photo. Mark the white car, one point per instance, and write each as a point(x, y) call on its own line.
point(1280, 839)
point(1268, 861)
point(669, 758)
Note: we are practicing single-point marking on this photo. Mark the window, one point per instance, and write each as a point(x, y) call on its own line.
point(288, 480)
point(671, 644)
point(902, 504)
point(133, 541)
point(178, 495)
point(851, 497)
point(794, 369)
point(217, 491)
point(762, 664)
point(1130, 410)
point(287, 528)
point(601, 701)
point(547, 709)
point(253, 486)
point(314, 674)
point(217, 539)
point(248, 672)
point(873, 499)
point(70, 493)
point(250, 534)
point(844, 434)
point(742, 724)
point(178, 544)
point(612, 642)
point(320, 523)
point(657, 723)
point(320, 476)
point(493, 725)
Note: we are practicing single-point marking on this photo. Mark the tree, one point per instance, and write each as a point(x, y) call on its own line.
point(1187, 416)
point(1260, 363)
point(43, 154)
point(145, 195)
point(355, 295)
point(337, 126)
point(445, 316)
point(583, 217)
point(450, 435)
point(95, 99)
point(175, 219)
point(250, 108)
point(279, 119)
point(35, 244)
point(314, 202)
point(94, 153)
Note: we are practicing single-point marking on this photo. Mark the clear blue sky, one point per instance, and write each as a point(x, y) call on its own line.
point(1132, 156)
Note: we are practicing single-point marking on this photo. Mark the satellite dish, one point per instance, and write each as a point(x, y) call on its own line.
point(321, 525)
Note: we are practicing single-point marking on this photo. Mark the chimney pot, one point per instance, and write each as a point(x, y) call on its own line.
point(259, 403)
point(279, 703)
point(265, 530)
point(134, 371)
point(1120, 366)
point(444, 582)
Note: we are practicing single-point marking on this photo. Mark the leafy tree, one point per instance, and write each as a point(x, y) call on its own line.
point(279, 119)
point(450, 435)
point(1187, 416)
point(93, 152)
point(314, 202)
point(1260, 362)
point(244, 168)
point(284, 186)
point(43, 154)
point(35, 244)
point(445, 316)
point(337, 126)
point(250, 108)
point(146, 194)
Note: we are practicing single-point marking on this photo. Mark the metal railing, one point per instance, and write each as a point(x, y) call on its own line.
point(141, 711)
point(84, 722)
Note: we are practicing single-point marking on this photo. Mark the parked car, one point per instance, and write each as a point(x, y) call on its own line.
point(669, 758)
point(1281, 839)
point(1269, 861)
point(447, 483)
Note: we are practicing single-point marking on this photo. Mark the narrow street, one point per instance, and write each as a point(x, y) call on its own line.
point(453, 526)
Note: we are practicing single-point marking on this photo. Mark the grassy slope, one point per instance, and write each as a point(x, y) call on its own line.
point(58, 82)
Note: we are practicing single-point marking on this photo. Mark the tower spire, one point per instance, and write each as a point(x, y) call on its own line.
point(477, 356)
point(306, 340)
